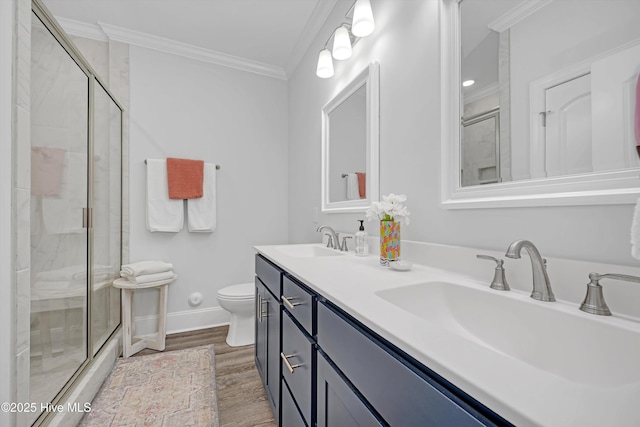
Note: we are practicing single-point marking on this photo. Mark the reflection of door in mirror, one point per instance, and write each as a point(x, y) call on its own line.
point(567, 127)
point(528, 54)
point(348, 148)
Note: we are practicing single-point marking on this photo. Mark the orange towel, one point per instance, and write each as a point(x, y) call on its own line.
point(185, 178)
point(362, 184)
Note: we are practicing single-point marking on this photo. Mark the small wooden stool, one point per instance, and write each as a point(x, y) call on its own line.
point(157, 341)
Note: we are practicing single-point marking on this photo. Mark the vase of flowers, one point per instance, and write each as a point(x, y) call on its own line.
point(390, 212)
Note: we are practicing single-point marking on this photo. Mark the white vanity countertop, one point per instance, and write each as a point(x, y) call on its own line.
point(520, 392)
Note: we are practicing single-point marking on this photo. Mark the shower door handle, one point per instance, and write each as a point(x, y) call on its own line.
point(87, 217)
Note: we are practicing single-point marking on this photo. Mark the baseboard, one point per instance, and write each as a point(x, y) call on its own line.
point(181, 321)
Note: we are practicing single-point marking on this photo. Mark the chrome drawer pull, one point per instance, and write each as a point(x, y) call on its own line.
point(288, 303)
point(259, 312)
point(259, 308)
point(285, 358)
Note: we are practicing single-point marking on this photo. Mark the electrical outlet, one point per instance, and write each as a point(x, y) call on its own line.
point(315, 214)
point(195, 299)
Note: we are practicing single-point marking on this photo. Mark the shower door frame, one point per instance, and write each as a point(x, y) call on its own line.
point(42, 13)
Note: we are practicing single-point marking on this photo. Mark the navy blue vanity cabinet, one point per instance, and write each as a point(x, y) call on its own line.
point(338, 402)
point(298, 352)
point(267, 329)
point(401, 391)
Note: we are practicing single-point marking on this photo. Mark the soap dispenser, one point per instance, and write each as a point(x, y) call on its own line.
point(362, 246)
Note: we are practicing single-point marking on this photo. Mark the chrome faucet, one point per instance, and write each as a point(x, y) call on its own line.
point(541, 285)
point(594, 302)
point(333, 236)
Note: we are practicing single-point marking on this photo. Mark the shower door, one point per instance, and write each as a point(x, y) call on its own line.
point(59, 196)
point(106, 214)
point(76, 218)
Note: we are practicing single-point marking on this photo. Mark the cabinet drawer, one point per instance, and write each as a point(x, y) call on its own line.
point(299, 302)
point(290, 415)
point(297, 364)
point(269, 274)
point(399, 394)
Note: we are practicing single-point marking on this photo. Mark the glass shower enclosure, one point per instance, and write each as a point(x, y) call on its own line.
point(76, 218)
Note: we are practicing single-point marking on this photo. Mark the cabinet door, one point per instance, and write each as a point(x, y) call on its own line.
point(338, 404)
point(261, 333)
point(267, 346)
point(271, 313)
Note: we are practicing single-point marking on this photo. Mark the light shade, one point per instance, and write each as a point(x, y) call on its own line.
point(325, 64)
point(341, 43)
point(363, 24)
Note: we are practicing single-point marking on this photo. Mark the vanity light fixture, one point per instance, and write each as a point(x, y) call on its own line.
point(358, 23)
point(341, 43)
point(325, 64)
point(468, 83)
point(363, 24)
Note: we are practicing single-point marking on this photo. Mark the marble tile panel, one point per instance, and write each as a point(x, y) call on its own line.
point(23, 54)
point(23, 308)
point(23, 149)
point(23, 229)
point(22, 386)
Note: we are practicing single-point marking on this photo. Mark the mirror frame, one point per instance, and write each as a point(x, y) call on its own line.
point(599, 188)
point(370, 77)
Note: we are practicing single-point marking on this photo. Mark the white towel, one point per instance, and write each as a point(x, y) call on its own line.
point(149, 278)
point(635, 232)
point(163, 213)
point(144, 267)
point(201, 213)
point(63, 214)
point(353, 190)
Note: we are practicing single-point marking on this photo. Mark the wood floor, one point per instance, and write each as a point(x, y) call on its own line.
point(241, 398)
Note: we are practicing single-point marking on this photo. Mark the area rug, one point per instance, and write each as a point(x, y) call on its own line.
point(174, 388)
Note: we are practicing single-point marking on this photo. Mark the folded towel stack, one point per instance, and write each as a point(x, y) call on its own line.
point(147, 272)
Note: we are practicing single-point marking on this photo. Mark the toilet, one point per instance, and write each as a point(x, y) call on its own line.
point(239, 301)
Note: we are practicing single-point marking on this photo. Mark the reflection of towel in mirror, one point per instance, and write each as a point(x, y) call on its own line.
point(635, 232)
point(353, 193)
point(362, 184)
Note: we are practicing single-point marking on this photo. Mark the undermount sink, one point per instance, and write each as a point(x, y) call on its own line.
point(307, 251)
point(547, 336)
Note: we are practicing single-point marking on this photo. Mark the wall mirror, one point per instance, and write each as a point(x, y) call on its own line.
point(350, 145)
point(550, 118)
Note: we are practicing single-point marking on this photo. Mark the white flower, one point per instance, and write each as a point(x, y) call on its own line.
point(389, 209)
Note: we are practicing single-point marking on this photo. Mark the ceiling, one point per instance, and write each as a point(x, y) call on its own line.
point(271, 32)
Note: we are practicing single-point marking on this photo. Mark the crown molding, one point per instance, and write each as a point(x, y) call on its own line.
point(311, 29)
point(517, 14)
point(82, 29)
point(162, 44)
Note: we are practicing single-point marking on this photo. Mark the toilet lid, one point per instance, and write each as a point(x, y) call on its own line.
point(241, 291)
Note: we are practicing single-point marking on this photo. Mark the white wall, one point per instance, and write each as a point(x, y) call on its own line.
point(189, 109)
point(406, 43)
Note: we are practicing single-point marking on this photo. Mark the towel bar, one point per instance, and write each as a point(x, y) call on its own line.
point(217, 166)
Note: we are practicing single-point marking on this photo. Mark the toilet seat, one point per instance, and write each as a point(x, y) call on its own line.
point(243, 291)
